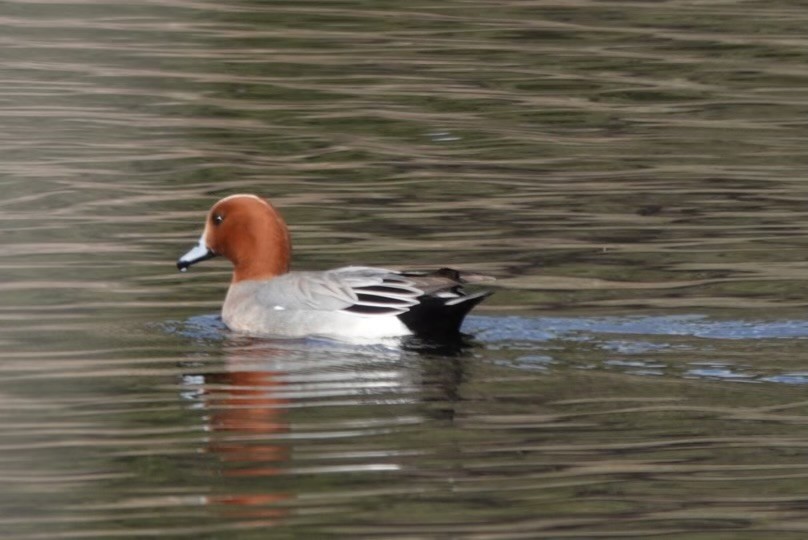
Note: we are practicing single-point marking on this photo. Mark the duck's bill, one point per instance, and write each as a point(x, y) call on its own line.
point(198, 253)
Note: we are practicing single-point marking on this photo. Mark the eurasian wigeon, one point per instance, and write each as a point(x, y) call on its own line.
point(352, 302)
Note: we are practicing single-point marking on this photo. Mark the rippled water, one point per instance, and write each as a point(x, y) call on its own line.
point(633, 172)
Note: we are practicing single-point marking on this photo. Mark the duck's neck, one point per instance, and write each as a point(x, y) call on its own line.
point(263, 256)
point(259, 269)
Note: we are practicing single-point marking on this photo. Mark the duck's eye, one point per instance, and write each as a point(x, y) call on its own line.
point(217, 219)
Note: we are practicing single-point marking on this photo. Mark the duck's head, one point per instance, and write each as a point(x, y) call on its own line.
point(250, 233)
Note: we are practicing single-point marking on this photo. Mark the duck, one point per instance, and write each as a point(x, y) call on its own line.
point(354, 303)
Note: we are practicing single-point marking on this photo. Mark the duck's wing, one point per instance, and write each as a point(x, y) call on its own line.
point(369, 291)
point(444, 282)
point(356, 289)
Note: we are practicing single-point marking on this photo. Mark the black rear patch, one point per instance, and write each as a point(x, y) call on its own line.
point(435, 319)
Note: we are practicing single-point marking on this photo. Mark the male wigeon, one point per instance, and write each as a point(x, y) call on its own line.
point(352, 302)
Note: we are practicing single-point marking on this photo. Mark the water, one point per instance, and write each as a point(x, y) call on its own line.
point(633, 172)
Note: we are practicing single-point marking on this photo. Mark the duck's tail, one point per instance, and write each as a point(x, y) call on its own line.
point(437, 317)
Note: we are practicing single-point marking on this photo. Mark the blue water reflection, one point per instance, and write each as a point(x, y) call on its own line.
point(494, 329)
point(685, 346)
point(544, 328)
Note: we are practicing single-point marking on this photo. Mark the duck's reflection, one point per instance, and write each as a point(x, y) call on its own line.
point(247, 404)
point(245, 408)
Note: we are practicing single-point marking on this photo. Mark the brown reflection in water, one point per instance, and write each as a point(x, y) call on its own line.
point(246, 413)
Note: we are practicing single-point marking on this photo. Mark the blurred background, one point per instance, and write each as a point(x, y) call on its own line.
point(633, 172)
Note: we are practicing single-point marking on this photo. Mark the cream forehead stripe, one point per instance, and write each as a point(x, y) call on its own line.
point(239, 195)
